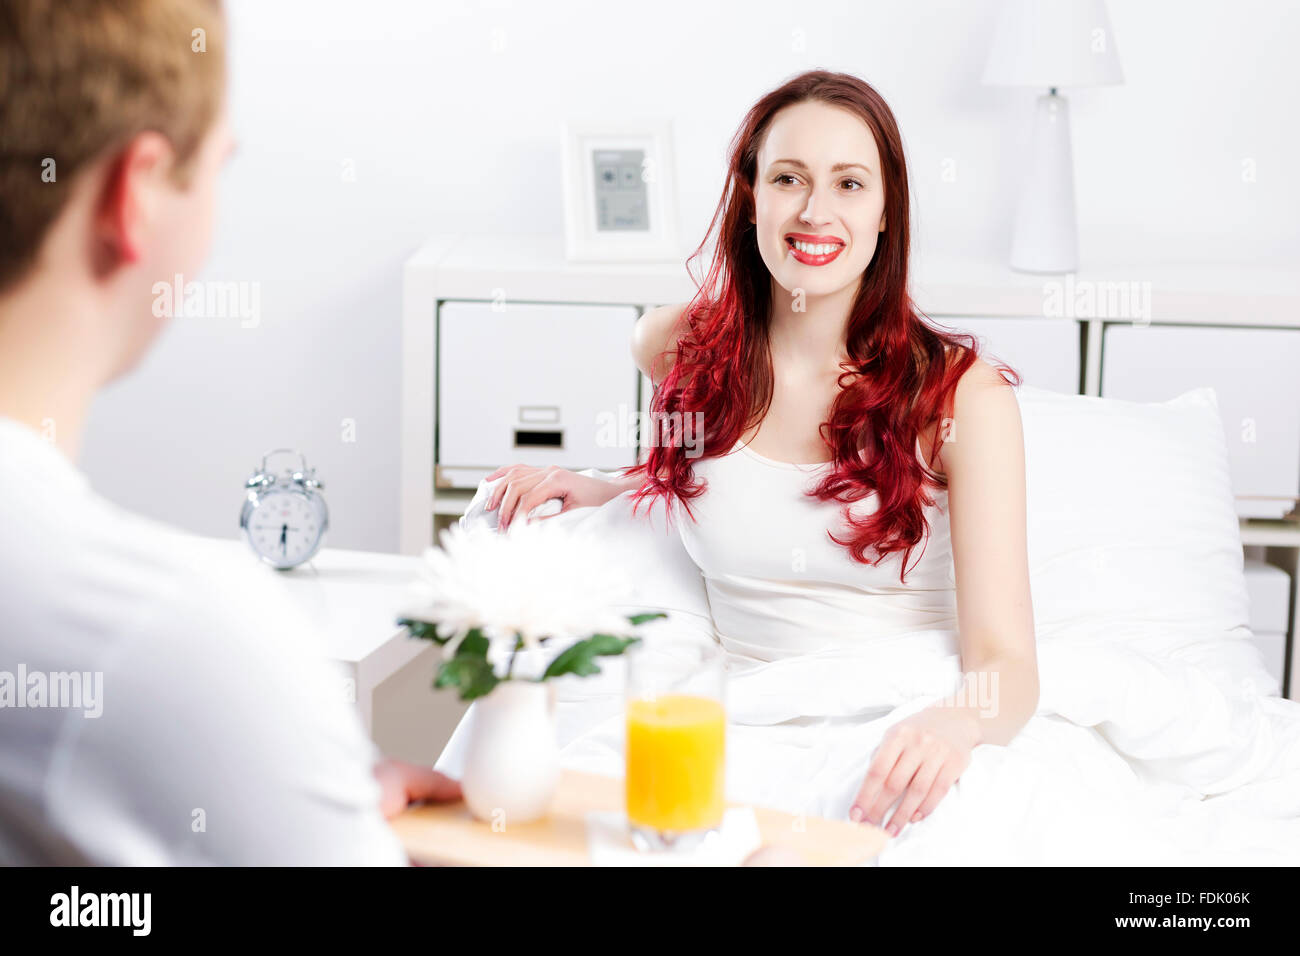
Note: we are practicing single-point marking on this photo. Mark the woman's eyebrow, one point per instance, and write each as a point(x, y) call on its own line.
point(838, 167)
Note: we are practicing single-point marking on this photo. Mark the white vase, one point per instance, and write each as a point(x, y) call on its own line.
point(512, 766)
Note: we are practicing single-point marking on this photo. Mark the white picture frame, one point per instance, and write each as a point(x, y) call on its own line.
point(619, 220)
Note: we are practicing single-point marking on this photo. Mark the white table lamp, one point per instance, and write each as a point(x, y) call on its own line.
point(1050, 43)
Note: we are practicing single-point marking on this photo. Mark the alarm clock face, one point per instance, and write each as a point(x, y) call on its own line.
point(285, 528)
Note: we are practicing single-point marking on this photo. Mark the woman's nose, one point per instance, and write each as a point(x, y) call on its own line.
point(815, 211)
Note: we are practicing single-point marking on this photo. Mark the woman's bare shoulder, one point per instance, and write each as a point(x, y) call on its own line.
point(656, 333)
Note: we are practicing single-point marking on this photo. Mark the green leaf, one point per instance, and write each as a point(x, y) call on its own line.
point(579, 658)
point(475, 645)
point(469, 669)
point(422, 629)
point(472, 677)
point(642, 618)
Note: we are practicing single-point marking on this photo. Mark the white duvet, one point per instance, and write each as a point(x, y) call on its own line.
point(1159, 737)
point(1130, 760)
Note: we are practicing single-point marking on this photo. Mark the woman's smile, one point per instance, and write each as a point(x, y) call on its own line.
point(814, 250)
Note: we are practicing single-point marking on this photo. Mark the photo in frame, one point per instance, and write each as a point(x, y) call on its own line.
point(619, 198)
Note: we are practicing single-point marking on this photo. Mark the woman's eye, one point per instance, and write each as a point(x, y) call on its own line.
point(782, 178)
point(853, 185)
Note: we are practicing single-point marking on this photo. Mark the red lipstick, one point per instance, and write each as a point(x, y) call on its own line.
point(810, 254)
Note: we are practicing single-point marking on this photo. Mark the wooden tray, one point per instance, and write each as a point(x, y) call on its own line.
point(447, 834)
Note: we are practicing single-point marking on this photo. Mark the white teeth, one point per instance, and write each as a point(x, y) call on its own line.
point(814, 248)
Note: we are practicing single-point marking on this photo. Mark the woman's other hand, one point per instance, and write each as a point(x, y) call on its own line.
point(525, 487)
point(919, 759)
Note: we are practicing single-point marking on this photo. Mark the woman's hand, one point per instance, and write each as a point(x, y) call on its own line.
point(525, 487)
point(919, 758)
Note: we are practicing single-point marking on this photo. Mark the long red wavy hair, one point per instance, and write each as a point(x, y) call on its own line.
point(901, 375)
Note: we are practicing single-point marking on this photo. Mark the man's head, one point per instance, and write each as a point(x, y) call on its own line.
point(112, 132)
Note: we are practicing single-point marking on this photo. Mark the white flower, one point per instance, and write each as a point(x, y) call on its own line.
point(538, 579)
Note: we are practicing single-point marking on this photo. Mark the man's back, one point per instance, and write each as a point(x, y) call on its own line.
point(159, 703)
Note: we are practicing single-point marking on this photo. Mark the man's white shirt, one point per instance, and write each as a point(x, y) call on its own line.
point(223, 733)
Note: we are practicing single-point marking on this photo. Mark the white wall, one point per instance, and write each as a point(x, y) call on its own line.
point(449, 113)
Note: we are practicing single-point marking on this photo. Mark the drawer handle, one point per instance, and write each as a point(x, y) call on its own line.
point(539, 414)
point(526, 438)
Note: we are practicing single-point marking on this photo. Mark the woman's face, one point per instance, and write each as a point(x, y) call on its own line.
point(819, 198)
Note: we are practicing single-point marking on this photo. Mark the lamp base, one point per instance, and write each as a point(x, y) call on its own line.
point(1045, 236)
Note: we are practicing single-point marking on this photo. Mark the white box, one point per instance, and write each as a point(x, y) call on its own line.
point(1273, 646)
point(536, 385)
point(1295, 677)
point(1046, 352)
point(1254, 375)
point(1270, 595)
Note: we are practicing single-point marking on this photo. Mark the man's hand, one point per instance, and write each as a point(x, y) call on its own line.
point(403, 783)
point(919, 759)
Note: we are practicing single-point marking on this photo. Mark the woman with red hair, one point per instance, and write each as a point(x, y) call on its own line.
point(807, 425)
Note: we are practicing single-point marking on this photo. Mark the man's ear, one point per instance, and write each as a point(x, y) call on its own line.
point(130, 198)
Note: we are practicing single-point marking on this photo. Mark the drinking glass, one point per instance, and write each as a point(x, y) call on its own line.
point(676, 743)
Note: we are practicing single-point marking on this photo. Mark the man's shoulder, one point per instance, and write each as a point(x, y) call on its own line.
point(182, 625)
point(213, 599)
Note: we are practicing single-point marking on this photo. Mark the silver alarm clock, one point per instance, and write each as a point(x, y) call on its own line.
point(284, 516)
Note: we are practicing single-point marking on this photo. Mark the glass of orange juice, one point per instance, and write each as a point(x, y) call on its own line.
point(676, 744)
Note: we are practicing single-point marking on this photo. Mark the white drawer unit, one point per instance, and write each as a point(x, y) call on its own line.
point(1044, 351)
point(1292, 689)
point(1255, 374)
point(536, 384)
point(1270, 592)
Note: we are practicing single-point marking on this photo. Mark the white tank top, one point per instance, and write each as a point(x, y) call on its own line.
point(777, 584)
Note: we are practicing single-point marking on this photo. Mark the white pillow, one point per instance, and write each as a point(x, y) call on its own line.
point(663, 576)
point(1132, 530)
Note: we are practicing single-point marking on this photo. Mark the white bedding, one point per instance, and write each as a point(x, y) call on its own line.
point(1159, 738)
point(1130, 760)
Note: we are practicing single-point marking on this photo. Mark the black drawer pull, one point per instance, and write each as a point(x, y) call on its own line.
point(528, 438)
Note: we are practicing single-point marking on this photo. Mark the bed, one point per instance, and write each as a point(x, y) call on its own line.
point(1160, 738)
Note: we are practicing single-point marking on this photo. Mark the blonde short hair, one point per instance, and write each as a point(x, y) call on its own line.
point(78, 80)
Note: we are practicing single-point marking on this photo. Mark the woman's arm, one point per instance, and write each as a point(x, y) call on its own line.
point(984, 459)
point(921, 756)
point(654, 337)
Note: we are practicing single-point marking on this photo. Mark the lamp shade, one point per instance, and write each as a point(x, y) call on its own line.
point(1048, 43)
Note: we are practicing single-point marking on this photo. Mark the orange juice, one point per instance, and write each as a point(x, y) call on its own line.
point(676, 771)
